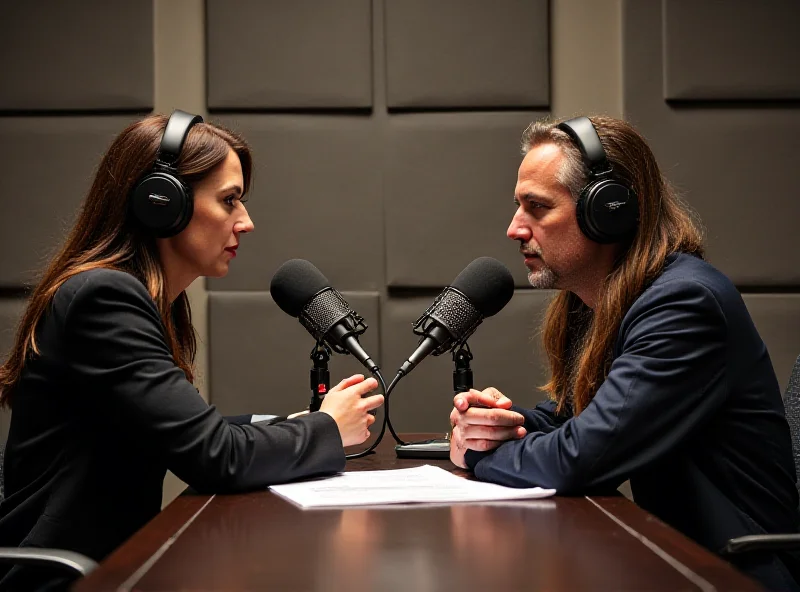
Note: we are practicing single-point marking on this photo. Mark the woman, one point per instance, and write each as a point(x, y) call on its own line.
point(100, 375)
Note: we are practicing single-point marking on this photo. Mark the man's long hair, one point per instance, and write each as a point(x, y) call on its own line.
point(105, 236)
point(579, 341)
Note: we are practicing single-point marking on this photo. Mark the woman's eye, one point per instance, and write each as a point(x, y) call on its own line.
point(230, 199)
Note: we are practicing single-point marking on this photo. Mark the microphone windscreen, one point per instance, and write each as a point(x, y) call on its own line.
point(487, 283)
point(294, 284)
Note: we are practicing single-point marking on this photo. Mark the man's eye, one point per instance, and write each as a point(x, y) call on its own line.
point(529, 204)
point(534, 204)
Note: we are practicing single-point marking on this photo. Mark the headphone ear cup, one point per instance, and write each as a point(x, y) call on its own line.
point(186, 214)
point(580, 214)
point(162, 204)
point(607, 211)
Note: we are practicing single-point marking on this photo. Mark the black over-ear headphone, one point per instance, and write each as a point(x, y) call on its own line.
point(607, 210)
point(161, 202)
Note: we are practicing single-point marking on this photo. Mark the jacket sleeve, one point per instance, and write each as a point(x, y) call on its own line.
point(128, 378)
point(666, 381)
point(542, 418)
point(239, 419)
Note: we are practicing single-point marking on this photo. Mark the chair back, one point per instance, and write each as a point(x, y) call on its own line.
point(791, 401)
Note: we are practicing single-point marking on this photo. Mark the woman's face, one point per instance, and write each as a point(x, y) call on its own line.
point(209, 242)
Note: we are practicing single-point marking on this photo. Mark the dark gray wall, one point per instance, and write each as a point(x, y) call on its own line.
point(385, 135)
point(389, 178)
point(714, 87)
point(72, 76)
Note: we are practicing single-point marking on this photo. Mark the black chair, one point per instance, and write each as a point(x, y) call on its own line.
point(777, 542)
point(57, 558)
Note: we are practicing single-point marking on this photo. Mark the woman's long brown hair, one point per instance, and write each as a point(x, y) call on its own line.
point(579, 341)
point(105, 236)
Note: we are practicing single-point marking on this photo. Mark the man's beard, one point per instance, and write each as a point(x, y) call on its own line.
point(545, 278)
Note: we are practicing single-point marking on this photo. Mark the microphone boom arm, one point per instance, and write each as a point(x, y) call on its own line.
point(320, 377)
point(462, 373)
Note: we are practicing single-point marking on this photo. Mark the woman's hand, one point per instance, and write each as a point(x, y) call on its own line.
point(344, 403)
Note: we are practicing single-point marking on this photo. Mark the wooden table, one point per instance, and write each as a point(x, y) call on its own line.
point(258, 541)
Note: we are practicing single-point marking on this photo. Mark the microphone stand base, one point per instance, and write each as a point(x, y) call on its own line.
point(437, 448)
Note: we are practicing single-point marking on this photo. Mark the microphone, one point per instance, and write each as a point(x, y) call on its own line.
point(301, 291)
point(481, 290)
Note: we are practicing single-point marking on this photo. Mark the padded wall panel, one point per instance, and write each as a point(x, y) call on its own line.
point(737, 49)
point(506, 350)
point(260, 356)
point(777, 318)
point(449, 193)
point(467, 53)
point(735, 166)
point(316, 196)
point(85, 55)
point(316, 53)
point(46, 169)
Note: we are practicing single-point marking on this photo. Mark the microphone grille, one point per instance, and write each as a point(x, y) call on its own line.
point(487, 283)
point(323, 311)
point(457, 314)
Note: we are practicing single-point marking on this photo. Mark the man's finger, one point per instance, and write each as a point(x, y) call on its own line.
point(491, 417)
point(500, 400)
point(484, 432)
point(454, 417)
point(475, 398)
point(460, 402)
point(482, 445)
point(457, 439)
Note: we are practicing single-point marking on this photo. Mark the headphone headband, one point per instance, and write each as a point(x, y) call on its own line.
point(583, 134)
point(175, 133)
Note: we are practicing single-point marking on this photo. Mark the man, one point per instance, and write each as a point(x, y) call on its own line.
point(658, 374)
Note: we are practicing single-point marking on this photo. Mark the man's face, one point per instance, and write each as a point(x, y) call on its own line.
point(556, 252)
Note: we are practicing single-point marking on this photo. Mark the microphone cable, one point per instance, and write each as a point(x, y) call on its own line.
point(386, 420)
point(379, 377)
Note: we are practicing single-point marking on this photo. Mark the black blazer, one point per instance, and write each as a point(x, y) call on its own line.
point(690, 412)
point(103, 412)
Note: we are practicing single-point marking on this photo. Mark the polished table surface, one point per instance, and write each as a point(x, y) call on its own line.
point(258, 541)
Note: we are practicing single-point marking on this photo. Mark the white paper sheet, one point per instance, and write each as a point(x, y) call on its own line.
point(426, 484)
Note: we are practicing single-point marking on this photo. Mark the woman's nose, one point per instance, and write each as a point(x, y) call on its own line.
point(245, 225)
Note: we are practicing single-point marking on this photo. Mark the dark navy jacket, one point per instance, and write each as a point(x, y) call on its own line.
point(690, 412)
